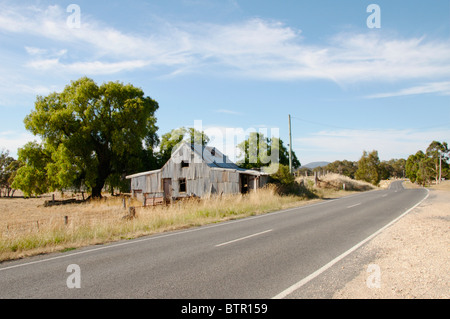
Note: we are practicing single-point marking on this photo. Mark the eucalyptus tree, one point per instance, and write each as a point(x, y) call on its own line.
point(90, 133)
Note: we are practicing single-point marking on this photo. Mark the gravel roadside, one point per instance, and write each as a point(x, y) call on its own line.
point(412, 257)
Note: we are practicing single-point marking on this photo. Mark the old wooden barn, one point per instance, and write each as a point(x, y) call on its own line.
point(194, 170)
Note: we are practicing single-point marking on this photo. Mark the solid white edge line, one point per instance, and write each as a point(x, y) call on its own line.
point(305, 280)
point(242, 238)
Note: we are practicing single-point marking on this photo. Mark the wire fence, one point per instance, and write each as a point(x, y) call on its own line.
point(108, 211)
point(58, 222)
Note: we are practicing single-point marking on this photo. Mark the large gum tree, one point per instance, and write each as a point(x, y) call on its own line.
point(93, 132)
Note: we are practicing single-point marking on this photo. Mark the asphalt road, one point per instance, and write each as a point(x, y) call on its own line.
point(267, 256)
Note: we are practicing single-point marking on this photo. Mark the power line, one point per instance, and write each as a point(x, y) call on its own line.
point(447, 124)
point(321, 124)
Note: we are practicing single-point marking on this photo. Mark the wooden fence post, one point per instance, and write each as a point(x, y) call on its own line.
point(131, 212)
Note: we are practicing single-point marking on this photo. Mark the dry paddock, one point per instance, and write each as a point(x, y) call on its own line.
point(24, 215)
point(28, 228)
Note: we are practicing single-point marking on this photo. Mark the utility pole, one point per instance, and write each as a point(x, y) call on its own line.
point(290, 146)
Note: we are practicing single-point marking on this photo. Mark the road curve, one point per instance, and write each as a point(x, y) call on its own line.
point(263, 256)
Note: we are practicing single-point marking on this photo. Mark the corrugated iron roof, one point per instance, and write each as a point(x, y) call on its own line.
point(143, 173)
point(213, 157)
point(216, 159)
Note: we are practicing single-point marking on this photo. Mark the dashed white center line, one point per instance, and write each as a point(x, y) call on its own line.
point(242, 238)
point(354, 205)
point(319, 271)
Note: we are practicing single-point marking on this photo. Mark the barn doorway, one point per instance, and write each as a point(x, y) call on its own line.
point(167, 187)
point(243, 183)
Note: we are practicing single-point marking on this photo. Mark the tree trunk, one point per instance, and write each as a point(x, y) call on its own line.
point(97, 190)
point(102, 174)
point(103, 171)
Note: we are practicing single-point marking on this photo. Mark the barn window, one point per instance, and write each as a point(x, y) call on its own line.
point(184, 164)
point(183, 185)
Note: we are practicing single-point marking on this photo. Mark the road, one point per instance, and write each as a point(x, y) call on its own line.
point(266, 256)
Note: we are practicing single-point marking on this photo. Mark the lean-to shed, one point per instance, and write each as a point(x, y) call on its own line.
point(195, 170)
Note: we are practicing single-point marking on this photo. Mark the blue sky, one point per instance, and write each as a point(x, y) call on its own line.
point(243, 65)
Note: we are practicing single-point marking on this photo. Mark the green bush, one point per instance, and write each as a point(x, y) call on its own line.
point(286, 184)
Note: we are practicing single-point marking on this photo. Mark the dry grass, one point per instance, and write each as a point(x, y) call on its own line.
point(28, 228)
point(443, 186)
point(408, 185)
point(332, 185)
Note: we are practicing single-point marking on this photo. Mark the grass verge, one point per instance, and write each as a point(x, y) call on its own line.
point(99, 222)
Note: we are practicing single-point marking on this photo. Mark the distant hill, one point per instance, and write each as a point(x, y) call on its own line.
point(315, 164)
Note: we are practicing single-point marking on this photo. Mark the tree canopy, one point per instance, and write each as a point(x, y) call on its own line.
point(90, 133)
point(369, 168)
point(258, 151)
point(422, 167)
point(8, 171)
point(171, 139)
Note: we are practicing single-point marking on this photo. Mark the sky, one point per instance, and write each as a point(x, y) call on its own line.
point(353, 77)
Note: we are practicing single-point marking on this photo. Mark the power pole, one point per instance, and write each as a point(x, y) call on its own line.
point(290, 146)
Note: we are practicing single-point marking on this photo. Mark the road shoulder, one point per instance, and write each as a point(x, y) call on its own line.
point(408, 260)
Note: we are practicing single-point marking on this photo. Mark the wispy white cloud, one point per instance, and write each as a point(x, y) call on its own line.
point(37, 89)
point(441, 88)
point(13, 140)
point(108, 49)
point(88, 68)
point(255, 48)
point(35, 51)
point(350, 144)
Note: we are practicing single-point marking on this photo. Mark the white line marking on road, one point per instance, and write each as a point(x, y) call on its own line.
point(176, 233)
point(307, 279)
point(354, 205)
point(385, 195)
point(235, 240)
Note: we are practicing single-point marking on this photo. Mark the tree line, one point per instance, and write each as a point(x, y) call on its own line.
point(422, 168)
point(95, 135)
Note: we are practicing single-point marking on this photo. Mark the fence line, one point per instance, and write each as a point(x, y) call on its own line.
point(36, 225)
